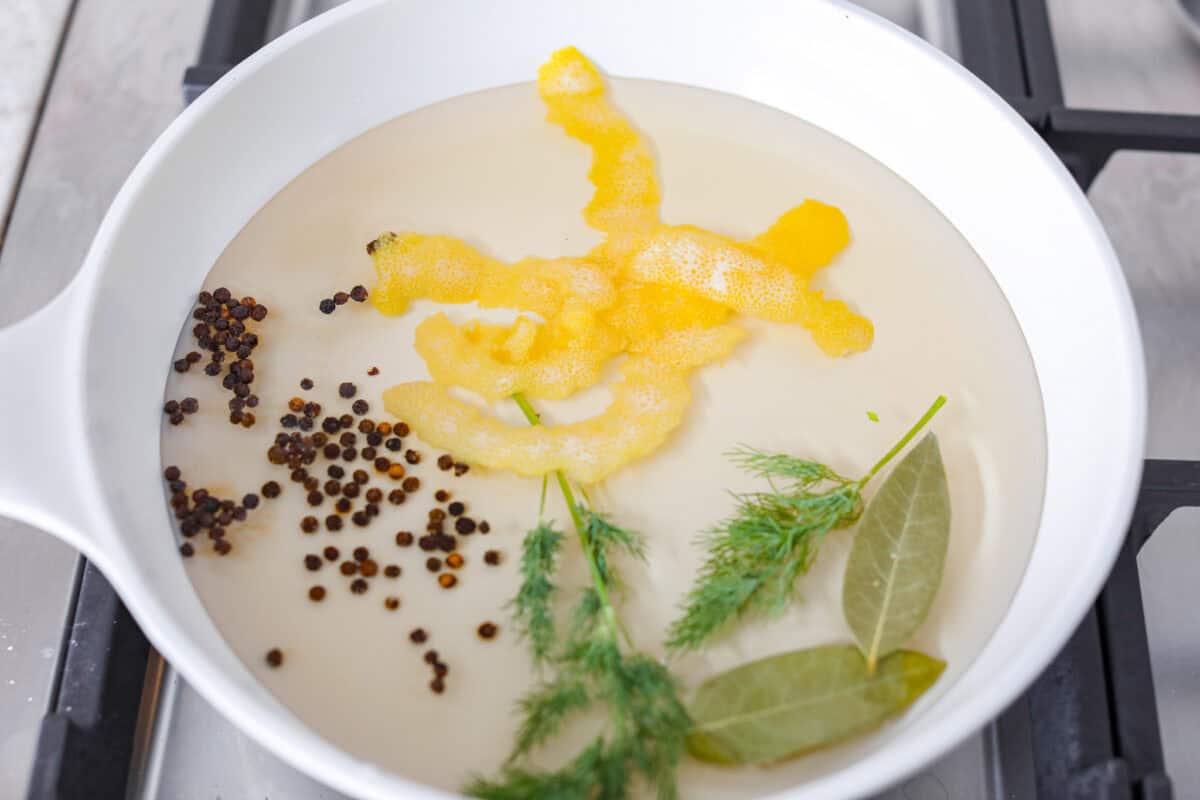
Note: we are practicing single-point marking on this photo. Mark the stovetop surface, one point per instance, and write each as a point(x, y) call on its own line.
point(1127, 56)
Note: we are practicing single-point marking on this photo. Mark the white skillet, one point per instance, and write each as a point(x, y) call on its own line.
point(80, 414)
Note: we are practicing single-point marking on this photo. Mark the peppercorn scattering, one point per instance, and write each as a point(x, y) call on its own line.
point(202, 511)
point(330, 304)
point(225, 327)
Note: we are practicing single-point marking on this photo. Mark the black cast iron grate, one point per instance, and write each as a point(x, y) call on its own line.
point(1090, 720)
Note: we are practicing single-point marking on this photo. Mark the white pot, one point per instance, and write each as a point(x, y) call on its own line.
point(81, 411)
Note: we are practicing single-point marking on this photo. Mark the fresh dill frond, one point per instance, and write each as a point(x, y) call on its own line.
point(532, 605)
point(801, 472)
point(592, 663)
point(546, 708)
point(756, 555)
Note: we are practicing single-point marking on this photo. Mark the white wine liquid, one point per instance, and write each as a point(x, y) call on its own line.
point(488, 168)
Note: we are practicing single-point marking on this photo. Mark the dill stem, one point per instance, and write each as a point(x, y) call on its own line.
point(597, 579)
point(908, 437)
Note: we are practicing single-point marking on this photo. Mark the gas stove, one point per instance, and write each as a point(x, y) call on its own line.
point(1116, 715)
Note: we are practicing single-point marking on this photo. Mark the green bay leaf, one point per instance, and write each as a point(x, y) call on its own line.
point(787, 704)
point(899, 551)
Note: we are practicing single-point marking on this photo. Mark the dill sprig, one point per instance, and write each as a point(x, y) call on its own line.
point(532, 605)
point(756, 555)
point(592, 663)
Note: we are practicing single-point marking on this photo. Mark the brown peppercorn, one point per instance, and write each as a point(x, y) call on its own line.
point(250, 501)
point(347, 389)
point(396, 471)
point(411, 484)
point(404, 539)
point(396, 497)
point(488, 630)
point(464, 525)
point(418, 636)
point(309, 524)
point(331, 553)
point(316, 594)
point(440, 669)
point(345, 421)
point(491, 558)
point(361, 476)
point(358, 585)
point(374, 438)
point(369, 568)
point(312, 483)
point(447, 580)
point(484, 527)
point(349, 568)
point(331, 425)
point(335, 471)
point(433, 564)
point(350, 490)
point(331, 450)
point(361, 407)
point(373, 495)
point(340, 298)
point(306, 384)
point(401, 429)
point(222, 546)
point(384, 429)
point(332, 488)
point(365, 426)
point(312, 562)
point(315, 498)
point(360, 518)
point(343, 506)
point(274, 657)
point(391, 602)
point(412, 456)
point(431, 657)
point(441, 495)
point(176, 418)
point(445, 462)
point(392, 571)
point(393, 444)
point(296, 404)
point(461, 469)
point(373, 371)
point(436, 515)
point(186, 550)
point(368, 453)
point(299, 475)
point(358, 294)
point(182, 365)
point(437, 685)
point(454, 561)
point(190, 405)
point(456, 508)
point(349, 454)
point(172, 473)
point(382, 464)
point(361, 553)
point(348, 439)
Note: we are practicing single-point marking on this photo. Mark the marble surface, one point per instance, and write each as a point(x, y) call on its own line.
point(30, 34)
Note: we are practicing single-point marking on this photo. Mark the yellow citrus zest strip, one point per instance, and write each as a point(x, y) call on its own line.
point(648, 404)
point(660, 293)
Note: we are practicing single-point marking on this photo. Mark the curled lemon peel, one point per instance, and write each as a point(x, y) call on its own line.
point(661, 293)
point(648, 403)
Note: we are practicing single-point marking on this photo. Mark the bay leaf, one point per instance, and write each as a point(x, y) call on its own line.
point(899, 552)
point(787, 704)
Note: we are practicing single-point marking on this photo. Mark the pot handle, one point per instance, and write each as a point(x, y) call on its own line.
point(43, 478)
